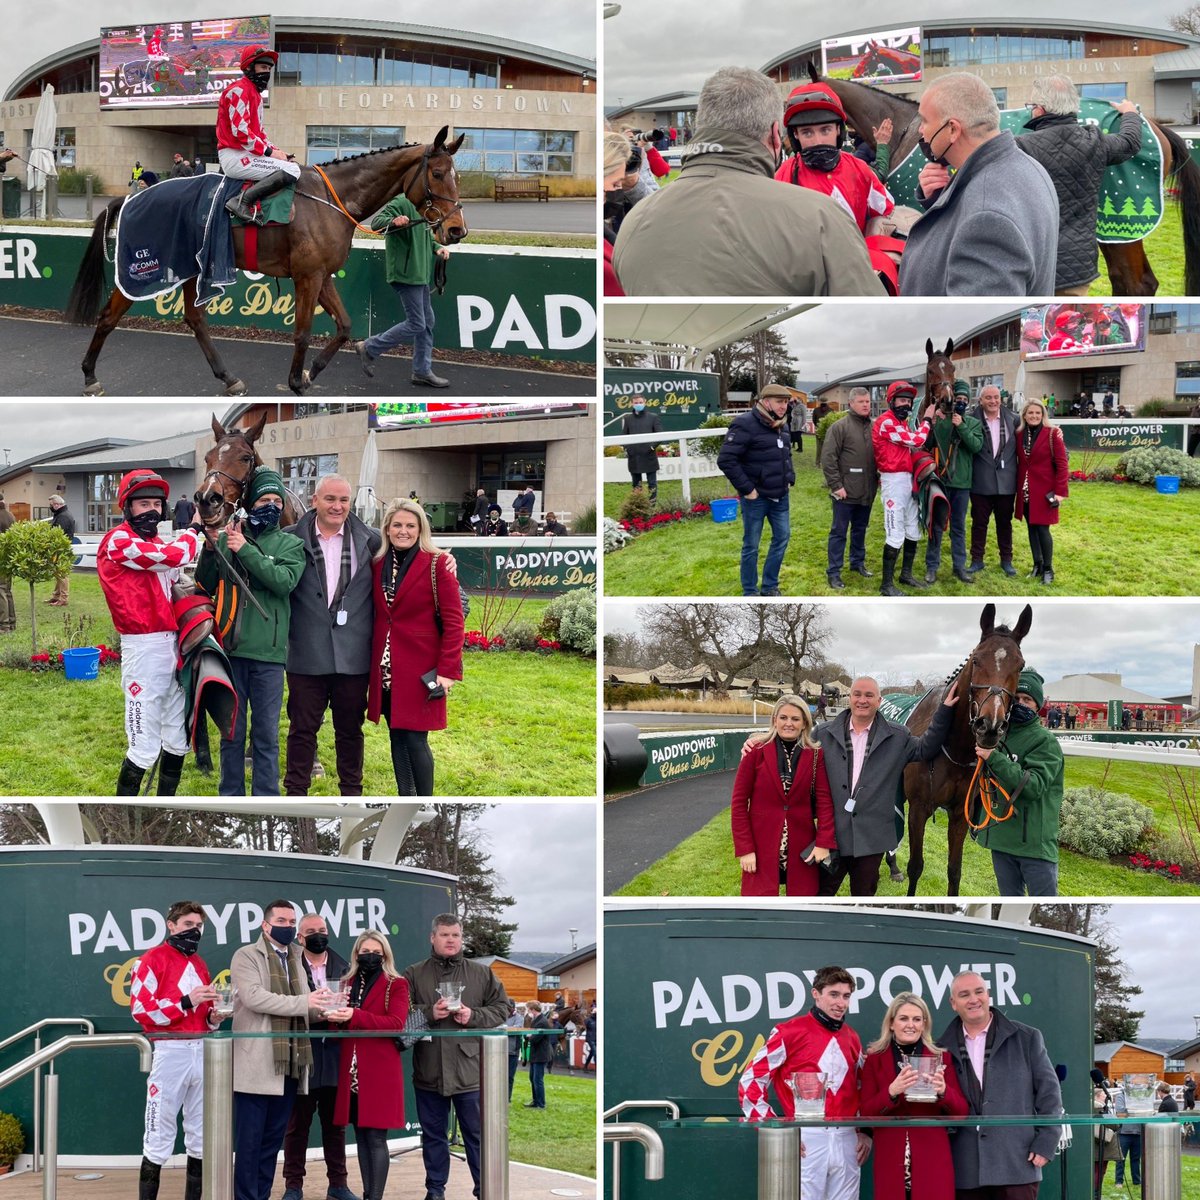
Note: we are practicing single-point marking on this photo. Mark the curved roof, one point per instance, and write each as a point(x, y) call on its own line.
point(339, 27)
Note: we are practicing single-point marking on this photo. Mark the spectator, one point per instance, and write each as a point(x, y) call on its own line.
point(1166, 1102)
point(553, 527)
point(1129, 1145)
point(992, 230)
point(848, 463)
point(180, 167)
point(1105, 1143)
point(1041, 484)
point(1075, 156)
point(757, 460)
point(642, 457)
point(525, 503)
point(757, 240)
point(61, 518)
point(8, 609)
point(516, 1020)
point(493, 526)
point(589, 1040)
point(541, 1055)
point(184, 511)
point(993, 479)
point(617, 154)
point(479, 513)
point(955, 437)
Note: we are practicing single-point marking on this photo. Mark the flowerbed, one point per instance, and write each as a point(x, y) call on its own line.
point(1092, 477)
point(645, 524)
point(1156, 866)
point(478, 641)
point(53, 661)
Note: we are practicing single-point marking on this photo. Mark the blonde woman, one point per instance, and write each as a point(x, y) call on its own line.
point(782, 812)
point(909, 1164)
point(416, 655)
point(1041, 483)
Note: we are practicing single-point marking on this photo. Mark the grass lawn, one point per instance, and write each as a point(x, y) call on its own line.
point(61, 737)
point(704, 864)
point(1113, 540)
point(563, 1137)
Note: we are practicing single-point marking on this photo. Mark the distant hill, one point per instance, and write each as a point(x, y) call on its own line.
point(1162, 1045)
point(539, 958)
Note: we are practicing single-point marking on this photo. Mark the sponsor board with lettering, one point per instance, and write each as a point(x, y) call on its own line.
point(1116, 437)
point(682, 399)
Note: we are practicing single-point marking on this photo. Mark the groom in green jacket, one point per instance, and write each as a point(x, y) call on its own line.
point(409, 249)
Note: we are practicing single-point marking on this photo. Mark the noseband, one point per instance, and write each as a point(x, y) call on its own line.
point(428, 204)
point(228, 506)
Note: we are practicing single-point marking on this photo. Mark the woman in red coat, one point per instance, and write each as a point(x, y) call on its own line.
point(781, 807)
point(909, 1164)
point(370, 1093)
point(408, 642)
point(1041, 483)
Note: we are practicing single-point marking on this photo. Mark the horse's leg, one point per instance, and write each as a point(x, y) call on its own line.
point(118, 305)
point(1129, 270)
point(918, 814)
point(956, 836)
point(197, 322)
point(331, 302)
point(308, 288)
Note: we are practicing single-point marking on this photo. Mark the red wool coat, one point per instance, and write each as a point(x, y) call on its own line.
point(380, 1074)
point(757, 813)
point(1046, 470)
point(416, 645)
point(932, 1166)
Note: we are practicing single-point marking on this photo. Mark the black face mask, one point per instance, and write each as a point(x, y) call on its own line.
point(926, 147)
point(370, 962)
point(260, 79)
point(902, 411)
point(823, 1018)
point(1021, 714)
point(820, 158)
point(317, 942)
point(186, 941)
point(146, 524)
point(283, 935)
point(265, 516)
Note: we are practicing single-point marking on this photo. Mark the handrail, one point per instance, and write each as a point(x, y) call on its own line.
point(633, 1131)
point(669, 1105)
point(615, 1173)
point(77, 1041)
point(8, 1041)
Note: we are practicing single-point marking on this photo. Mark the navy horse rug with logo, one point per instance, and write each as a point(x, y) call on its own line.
point(177, 230)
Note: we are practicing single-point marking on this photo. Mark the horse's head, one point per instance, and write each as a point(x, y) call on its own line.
point(939, 376)
point(990, 676)
point(435, 192)
point(227, 467)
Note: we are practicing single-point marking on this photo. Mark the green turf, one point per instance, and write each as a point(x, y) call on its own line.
point(61, 737)
point(1112, 540)
point(563, 1135)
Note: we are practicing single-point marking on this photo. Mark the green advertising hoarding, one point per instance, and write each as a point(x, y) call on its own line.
point(682, 399)
point(79, 919)
point(691, 992)
point(1168, 741)
point(535, 566)
point(527, 301)
point(1116, 437)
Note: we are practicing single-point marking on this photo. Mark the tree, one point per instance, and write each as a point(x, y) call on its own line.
point(800, 631)
point(1114, 1020)
point(750, 363)
point(1187, 21)
point(38, 553)
point(728, 637)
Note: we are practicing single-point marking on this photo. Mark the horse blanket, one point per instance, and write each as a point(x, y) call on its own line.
point(1131, 194)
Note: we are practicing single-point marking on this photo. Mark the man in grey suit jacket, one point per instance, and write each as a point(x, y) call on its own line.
point(329, 642)
point(994, 479)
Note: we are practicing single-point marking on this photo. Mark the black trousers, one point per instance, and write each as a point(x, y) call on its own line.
point(308, 698)
point(863, 871)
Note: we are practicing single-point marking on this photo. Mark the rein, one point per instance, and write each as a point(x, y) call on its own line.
point(987, 789)
point(338, 203)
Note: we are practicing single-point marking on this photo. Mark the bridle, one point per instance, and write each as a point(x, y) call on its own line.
point(430, 202)
point(228, 506)
point(941, 392)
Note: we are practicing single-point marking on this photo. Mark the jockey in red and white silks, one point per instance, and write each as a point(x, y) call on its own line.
point(243, 148)
point(894, 443)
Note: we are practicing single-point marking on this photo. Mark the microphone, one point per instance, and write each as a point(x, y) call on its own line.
point(1060, 1069)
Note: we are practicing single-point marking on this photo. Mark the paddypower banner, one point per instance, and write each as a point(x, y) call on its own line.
point(1116, 437)
point(526, 303)
point(531, 566)
point(681, 399)
point(698, 987)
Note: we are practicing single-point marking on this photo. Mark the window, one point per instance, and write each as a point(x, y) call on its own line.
point(102, 511)
point(1102, 91)
point(1175, 318)
point(512, 467)
point(524, 151)
point(312, 64)
point(1001, 95)
point(301, 473)
point(326, 142)
point(64, 147)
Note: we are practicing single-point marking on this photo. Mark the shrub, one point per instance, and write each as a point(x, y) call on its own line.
point(521, 636)
point(74, 183)
point(614, 452)
point(617, 695)
point(827, 422)
point(586, 521)
point(1155, 408)
point(571, 620)
point(711, 447)
point(636, 504)
point(1141, 466)
point(1106, 469)
point(37, 553)
point(1100, 824)
point(12, 1139)
point(614, 536)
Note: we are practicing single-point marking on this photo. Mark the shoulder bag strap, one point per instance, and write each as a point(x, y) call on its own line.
point(437, 609)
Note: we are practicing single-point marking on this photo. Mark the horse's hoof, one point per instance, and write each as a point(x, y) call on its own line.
point(236, 388)
point(303, 385)
point(897, 876)
point(94, 389)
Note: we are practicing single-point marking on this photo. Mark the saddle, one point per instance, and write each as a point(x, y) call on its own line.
point(279, 208)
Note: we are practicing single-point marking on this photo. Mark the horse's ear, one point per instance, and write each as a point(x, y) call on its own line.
point(440, 140)
point(1023, 623)
point(987, 621)
point(929, 347)
point(813, 73)
point(949, 347)
point(453, 146)
point(217, 428)
point(255, 431)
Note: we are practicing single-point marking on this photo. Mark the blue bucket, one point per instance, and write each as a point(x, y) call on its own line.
point(1166, 485)
point(724, 510)
point(83, 663)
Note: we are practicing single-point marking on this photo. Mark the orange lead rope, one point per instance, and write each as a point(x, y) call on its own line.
point(988, 787)
point(338, 202)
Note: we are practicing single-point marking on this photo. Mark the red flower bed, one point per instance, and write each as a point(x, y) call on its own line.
point(1156, 866)
point(642, 525)
point(1092, 477)
point(477, 641)
point(547, 646)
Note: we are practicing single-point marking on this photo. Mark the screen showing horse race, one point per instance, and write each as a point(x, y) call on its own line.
point(1059, 330)
point(398, 414)
point(171, 64)
point(890, 56)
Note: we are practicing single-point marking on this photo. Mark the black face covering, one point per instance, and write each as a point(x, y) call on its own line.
point(260, 79)
point(185, 941)
point(1021, 714)
point(902, 411)
point(820, 158)
point(146, 524)
point(926, 147)
point(823, 1018)
point(370, 962)
point(317, 942)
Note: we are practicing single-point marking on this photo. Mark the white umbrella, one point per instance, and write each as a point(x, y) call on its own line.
point(1019, 388)
point(365, 502)
point(41, 153)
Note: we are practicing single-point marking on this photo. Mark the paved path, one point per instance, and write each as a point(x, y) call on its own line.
point(649, 823)
point(41, 358)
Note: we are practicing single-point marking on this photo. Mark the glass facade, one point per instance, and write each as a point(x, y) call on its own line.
point(326, 142)
point(1103, 91)
point(512, 467)
point(302, 472)
point(517, 151)
point(982, 46)
point(314, 64)
point(1175, 318)
point(102, 511)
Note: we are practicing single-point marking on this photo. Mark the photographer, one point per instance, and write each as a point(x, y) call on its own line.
point(955, 438)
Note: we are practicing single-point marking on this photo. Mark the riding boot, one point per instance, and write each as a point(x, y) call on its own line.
point(242, 205)
point(170, 768)
point(906, 575)
point(888, 585)
point(148, 1180)
point(129, 783)
point(195, 1177)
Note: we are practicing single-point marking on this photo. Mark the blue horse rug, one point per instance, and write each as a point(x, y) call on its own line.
point(174, 231)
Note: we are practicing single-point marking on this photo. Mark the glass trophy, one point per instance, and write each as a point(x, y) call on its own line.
point(923, 1091)
point(808, 1090)
point(452, 994)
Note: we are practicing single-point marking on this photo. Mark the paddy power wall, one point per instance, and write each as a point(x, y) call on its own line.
point(691, 993)
point(79, 919)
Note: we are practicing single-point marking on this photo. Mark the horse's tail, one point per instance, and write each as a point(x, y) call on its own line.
point(87, 293)
point(1187, 178)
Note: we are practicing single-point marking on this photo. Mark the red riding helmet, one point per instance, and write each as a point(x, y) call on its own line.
point(813, 104)
point(142, 483)
point(1066, 319)
point(900, 390)
point(252, 54)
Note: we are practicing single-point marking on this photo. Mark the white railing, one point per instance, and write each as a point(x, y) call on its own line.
point(681, 437)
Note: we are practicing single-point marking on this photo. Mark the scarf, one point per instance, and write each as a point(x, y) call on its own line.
point(395, 567)
point(344, 575)
point(824, 1019)
point(292, 1055)
point(787, 755)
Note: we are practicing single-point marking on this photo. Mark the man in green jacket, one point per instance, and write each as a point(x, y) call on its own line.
point(957, 438)
point(1028, 764)
point(263, 560)
point(409, 249)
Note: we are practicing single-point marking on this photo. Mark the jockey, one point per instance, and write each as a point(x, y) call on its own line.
point(1069, 331)
point(894, 442)
point(816, 125)
point(155, 51)
point(242, 147)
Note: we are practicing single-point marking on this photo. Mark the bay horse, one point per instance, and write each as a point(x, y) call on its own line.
point(939, 375)
point(228, 467)
point(310, 250)
point(1129, 270)
point(987, 686)
point(562, 1018)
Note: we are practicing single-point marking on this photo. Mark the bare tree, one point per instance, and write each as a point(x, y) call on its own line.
point(800, 631)
point(728, 637)
point(1187, 21)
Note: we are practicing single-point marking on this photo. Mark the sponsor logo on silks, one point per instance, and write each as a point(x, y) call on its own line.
point(889, 504)
point(153, 1090)
point(135, 688)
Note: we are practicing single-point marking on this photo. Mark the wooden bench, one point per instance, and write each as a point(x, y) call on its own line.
point(517, 187)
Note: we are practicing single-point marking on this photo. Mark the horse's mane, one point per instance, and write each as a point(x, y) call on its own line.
point(349, 158)
point(998, 630)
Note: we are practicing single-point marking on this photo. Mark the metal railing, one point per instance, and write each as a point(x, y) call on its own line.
point(36, 1029)
point(632, 1131)
point(682, 436)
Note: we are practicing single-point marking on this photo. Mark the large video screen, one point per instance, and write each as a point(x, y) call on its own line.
point(402, 414)
point(175, 64)
point(890, 56)
point(1065, 329)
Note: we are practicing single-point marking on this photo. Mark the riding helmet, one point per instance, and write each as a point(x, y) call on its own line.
point(142, 483)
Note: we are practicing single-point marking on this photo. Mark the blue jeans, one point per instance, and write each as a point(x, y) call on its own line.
point(259, 687)
point(537, 1083)
point(259, 1123)
point(754, 512)
point(1017, 875)
point(959, 502)
point(1131, 1145)
point(853, 517)
point(433, 1112)
point(417, 327)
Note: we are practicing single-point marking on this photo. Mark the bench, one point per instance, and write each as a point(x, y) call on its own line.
point(516, 187)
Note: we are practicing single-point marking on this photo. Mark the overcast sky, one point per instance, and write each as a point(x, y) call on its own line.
point(657, 46)
point(1148, 643)
point(568, 26)
point(1148, 935)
